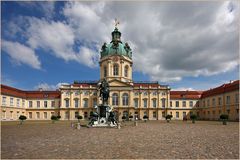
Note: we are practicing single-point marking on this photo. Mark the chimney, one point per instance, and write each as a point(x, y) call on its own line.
point(40, 89)
point(230, 81)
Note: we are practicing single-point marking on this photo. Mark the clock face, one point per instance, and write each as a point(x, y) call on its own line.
point(115, 58)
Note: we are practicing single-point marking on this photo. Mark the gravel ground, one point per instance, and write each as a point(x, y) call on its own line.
point(151, 140)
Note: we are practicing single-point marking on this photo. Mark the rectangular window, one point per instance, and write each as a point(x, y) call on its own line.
point(177, 114)
point(30, 115)
point(18, 102)
point(94, 102)
point(45, 104)
point(191, 103)
point(17, 114)
point(76, 93)
point(236, 98)
point(105, 71)
point(135, 93)
point(219, 112)
point(170, 103)
point(66, 103)
point(145, 103)
point(163, 103)
point(30, 104)
point(213, 102)
point(4, 115)
point(145, 113)
point(228, 100)
point(45, 115)
point(38, 115)
point(23, 103)
point(76, 114)
point(154, 115)
point(53, 104)
point(4, 100)
point(85, 103)
point(145, 93)
point(11, 101)
point(219, 101)
point(154, 101)
point(208, 103)
point(136, 103)
point(184, 103)
point(177, 103)
point(85, 93)
point(204, 105)
point(163, 114)
point(38, 104)
point(11, 114)
point(66, 115)
point(76, 103)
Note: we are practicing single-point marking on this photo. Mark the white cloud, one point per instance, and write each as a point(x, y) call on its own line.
point(183, 89)
point(58, 38)
point(170, 40)
point(21, 54)
point(49, 87)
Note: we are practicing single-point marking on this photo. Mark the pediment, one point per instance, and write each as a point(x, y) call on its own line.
point(118, 83)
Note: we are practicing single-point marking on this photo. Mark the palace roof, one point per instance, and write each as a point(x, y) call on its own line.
point(232, 86)
point(185, 94)
point(10, 91)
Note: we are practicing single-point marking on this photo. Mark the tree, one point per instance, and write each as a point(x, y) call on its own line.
point(79, 118)
point(168, 117)
point(54, 118)
point(22, 118)
point(145, 117)
point(224, 118)
point(193, 117)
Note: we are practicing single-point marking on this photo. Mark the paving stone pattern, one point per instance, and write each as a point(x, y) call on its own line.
point(154, 139)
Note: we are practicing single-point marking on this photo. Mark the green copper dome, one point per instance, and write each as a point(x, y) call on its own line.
point(116, 47)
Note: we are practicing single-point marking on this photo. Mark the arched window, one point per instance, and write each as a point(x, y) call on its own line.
point(115, 99)
point(105, 71)
point(85, 103)
point(126, 71)
point(125, 99)
point(115, 70)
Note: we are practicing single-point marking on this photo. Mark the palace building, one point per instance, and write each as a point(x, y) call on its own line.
point(127, 97)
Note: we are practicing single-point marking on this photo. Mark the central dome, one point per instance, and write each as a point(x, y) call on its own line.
point(116, 47)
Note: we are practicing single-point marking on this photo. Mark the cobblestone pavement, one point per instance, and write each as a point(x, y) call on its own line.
point(154, 139)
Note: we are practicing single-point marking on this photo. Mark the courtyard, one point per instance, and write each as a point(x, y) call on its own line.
point(151, 140)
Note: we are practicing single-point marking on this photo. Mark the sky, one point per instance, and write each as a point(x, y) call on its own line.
point(186, 45)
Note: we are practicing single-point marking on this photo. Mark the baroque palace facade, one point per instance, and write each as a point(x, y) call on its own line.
point(127, 97)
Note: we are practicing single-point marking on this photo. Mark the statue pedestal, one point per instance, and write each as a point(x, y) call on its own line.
point(103, 119)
